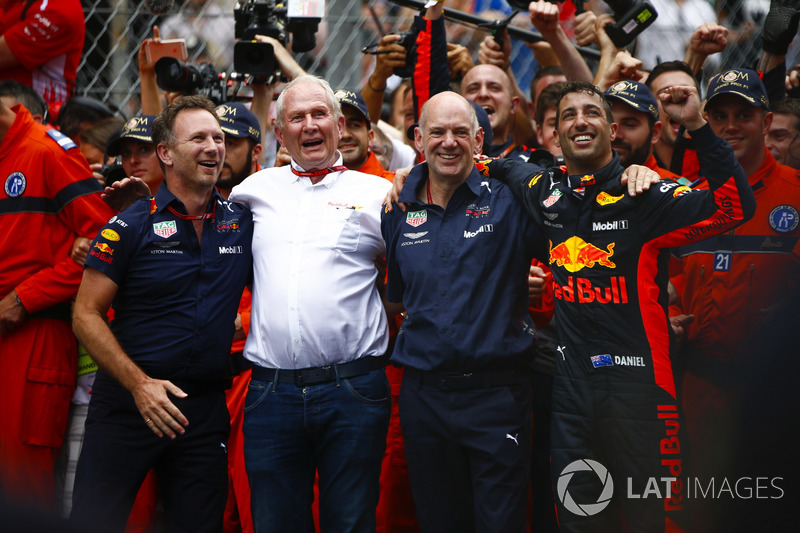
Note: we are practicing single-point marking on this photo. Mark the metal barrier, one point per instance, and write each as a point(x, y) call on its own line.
point(115, 29)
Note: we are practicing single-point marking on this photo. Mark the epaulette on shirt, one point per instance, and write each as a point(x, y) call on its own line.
point(63, 141)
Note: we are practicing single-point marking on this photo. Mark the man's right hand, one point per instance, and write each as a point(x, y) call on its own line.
point(158, 411)
point(121, 194)
point(682, 104)
point(394, 193)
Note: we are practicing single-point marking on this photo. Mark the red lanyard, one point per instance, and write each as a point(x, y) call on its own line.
point(190, 217)
point(315, 173)
point(430, 198)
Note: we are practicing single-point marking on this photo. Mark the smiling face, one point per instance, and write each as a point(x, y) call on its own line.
point(356, 138)
point(449, 137)
point(742, 125)
point(489, 87)
point(783, 139)
point(584, 132)
point(309, 130)
point(198, 149)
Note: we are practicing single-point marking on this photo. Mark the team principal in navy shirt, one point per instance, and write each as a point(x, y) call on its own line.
point(175, 266)
point(458, 260)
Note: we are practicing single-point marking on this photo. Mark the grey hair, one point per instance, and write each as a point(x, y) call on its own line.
point(333, 102)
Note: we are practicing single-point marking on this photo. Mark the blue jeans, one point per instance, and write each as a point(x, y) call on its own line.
point(336, 428)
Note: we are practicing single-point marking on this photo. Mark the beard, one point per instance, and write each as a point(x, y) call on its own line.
point(235, 178)
point(637, 156)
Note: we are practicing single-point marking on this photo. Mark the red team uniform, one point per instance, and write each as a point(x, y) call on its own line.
point(49, 198)
point(47, 38)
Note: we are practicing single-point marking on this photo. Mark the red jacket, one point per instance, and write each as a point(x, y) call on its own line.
point(49, 198)
point(732, 280)
point(374, 167)
point(47, 40)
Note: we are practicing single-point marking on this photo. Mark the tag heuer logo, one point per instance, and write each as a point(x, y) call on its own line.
point(165, 229)
point(417, 218)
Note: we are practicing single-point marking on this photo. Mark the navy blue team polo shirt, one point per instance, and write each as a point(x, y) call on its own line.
point(461, 274)
point(175, 308)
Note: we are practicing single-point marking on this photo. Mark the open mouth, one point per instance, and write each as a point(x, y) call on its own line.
point(489, 109)
point(311, 144)
point(208, 164)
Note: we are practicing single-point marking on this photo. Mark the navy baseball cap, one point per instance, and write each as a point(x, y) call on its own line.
point(354, 100)
point(636, 95)
point(238, 121)
point(742, 82)
point(138, 128)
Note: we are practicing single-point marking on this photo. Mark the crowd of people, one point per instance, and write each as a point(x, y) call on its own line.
point(439, 303)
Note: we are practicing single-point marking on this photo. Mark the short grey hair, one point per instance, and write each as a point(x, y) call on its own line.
point(333, 102)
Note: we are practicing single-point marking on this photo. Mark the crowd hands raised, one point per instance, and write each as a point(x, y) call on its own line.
point(661, 119)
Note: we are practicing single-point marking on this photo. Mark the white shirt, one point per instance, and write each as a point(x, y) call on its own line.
point(315, 302)
point(669, 35)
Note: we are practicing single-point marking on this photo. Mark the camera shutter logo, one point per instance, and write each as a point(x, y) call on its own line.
point(585, 509)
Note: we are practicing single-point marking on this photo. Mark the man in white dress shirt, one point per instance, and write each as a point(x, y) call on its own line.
point(318, 400)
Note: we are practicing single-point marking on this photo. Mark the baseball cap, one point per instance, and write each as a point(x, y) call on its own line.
point(636, 95)
point(353, 99)
point(742, 82)
point(238, 121)
point(138, 128)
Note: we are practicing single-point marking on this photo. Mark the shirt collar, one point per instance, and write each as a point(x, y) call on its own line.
point(327, 181)
point(164, 197)
point(419, 175)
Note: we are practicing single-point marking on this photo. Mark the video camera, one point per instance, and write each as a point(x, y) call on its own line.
point(258, 17)
point(174, 75)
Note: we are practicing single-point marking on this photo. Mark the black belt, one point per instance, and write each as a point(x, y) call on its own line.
point(196, 388)
point(452, 381)
point(313, 376)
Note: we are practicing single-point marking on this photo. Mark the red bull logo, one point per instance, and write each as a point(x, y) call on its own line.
point(582, 291)
point(105, 248)
point(671, 455)
point(575, 254)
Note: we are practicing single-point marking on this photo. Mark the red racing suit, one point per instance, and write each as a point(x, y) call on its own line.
point(46, 37)
point(49, 198)
point(731, 284)
point(615, 405)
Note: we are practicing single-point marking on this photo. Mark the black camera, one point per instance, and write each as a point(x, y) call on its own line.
point(113, 172)
point(408, 40)
point(632, 18)
point(174, 75)
point(255, 17)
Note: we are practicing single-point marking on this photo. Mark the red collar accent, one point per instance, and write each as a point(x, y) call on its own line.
point(315, 173)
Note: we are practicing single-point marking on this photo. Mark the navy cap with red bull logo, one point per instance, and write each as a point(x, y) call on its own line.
point(742, 82)
point(238, 121)
point(138, 129)
point(636, 95)
point(354, 100)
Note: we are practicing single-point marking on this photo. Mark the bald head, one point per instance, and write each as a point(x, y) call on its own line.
point(490, 87)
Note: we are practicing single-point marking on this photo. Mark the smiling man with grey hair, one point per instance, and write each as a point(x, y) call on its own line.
point(319, 399)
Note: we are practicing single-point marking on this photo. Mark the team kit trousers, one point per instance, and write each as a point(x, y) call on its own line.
point(468, 453)
point(119, 450)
